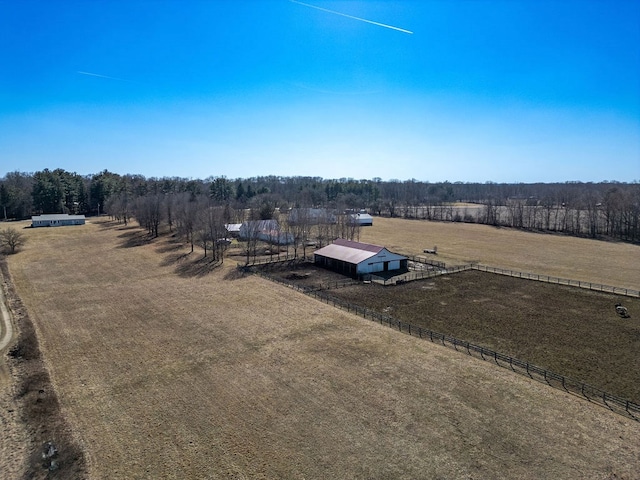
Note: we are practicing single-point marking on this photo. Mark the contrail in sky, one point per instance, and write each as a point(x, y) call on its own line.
point(354, 18)
point(102, 76)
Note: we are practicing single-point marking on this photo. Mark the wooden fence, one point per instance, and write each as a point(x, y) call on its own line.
point(617, 404)
point(426, 261)
point(440, 268)
point(330, 285)
point(559, 281)
point(614, 403)
point(275, 261)
point(414, 275)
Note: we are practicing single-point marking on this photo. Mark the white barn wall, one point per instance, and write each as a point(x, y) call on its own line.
point(376, 263)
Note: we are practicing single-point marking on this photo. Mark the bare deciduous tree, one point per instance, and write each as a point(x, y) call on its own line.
point(186, 213)
point(11, 240)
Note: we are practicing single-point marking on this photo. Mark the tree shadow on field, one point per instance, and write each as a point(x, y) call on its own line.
point(114, 225)
point(172, 244)
point(200, 267)
point(234, 274)
point(175, 258)
point(135, 238)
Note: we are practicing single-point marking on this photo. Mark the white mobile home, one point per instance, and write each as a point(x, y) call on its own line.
point(56, 220)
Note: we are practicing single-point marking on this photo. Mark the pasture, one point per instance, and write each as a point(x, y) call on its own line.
point(166, 368)
point(574, 332)
point(608, 263)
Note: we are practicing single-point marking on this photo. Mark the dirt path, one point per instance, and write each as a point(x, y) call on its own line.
point(13, 439)
point(6, 329)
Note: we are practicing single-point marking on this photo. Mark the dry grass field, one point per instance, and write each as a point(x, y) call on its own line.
point(607, 263)
point(167, 369)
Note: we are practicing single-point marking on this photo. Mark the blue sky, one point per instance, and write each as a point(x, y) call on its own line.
point(504, 91)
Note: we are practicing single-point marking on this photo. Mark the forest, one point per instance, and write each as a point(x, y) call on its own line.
point(604, 210)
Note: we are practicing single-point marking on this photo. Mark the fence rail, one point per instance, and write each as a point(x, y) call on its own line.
point(559, 281)
point(272, 261)
point(593, 394)
point(414, 275)
point(331, 285)
point(440, 268)
point(426, 261)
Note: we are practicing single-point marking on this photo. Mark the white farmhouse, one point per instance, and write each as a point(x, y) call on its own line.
point(356, 259)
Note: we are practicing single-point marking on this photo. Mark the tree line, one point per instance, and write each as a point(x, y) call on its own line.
point(608, 210)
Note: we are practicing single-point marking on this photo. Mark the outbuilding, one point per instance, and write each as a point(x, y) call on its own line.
point(233, 229)
point(356, 259)
point(312, 216)
point(266, 230)
point(56, 220)
point(361, 219)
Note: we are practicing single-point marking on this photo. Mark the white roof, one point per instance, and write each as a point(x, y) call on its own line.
point(233, 227)
point(348, 251)
point(57, 216)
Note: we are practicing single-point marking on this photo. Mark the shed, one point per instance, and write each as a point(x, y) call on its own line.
point(233, 229)
point(56, 220)
point(355, 258)
point(361, 219)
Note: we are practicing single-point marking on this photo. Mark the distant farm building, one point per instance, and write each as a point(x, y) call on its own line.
point(312, 216)
point(361, 219)
point(356, 259)
point(265, 230)
point(57, 220)
point(233, 229)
